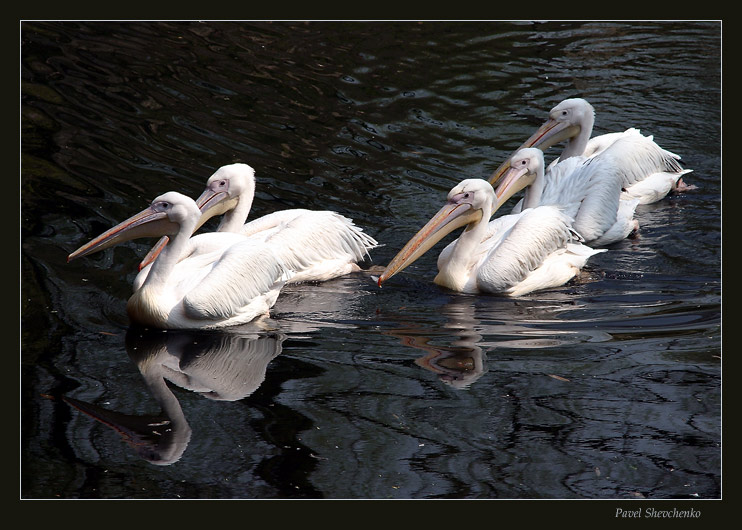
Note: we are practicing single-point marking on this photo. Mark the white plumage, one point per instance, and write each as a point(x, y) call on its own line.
point(316, 245)
point(235, 282)
point(649, 172)
point(587, 189)
point(512, 255)
point(520, 253)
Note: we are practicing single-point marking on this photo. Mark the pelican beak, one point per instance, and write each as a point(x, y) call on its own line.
point(448, 219)
point(550, 133)
point(214, 203)
point(154, 252)
point(211, 203)
point(514, 179)
point(147, 223)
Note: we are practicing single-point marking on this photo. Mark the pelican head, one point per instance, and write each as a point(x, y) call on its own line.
point(565, 122)
point(570, 119)
point(468, 203)
point(521, 171)
point(229, 188)
point(167, 215)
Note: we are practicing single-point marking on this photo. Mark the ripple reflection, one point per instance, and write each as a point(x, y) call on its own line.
point(222, 366)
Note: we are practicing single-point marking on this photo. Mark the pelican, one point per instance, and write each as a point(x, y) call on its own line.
point(316, 245)
point(514, 254)
point(234, 284)
point(649, 172)
point(588, 190)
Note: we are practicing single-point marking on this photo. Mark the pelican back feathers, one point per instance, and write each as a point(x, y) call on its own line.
point(259, 272)
point(321, 245)
point(638, 156)
point(589, 191)
point(523, 247)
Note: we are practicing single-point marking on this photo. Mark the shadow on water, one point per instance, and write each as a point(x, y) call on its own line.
point(605, 388)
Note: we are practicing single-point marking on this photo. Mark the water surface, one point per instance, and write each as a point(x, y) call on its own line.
point(606, 388)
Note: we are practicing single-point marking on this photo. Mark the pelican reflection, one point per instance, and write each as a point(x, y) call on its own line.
point(225, 366)
point(463, 361)
point(471, 329)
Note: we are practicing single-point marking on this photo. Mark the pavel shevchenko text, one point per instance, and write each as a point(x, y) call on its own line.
point(653, 513)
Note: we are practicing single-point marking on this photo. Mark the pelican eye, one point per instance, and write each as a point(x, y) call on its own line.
point(220, 184)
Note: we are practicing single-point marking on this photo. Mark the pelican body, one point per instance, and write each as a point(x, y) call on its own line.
point(513, 255)
point(317, 245)
point(588, 190)
point(233, 281)
point(648, 172)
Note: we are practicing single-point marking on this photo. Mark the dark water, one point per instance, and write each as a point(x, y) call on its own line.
point(606, 388)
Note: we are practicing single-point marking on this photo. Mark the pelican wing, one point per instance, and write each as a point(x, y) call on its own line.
point(624, 225)
point(598, 144)
point(557, 269)
point(317, 242)
point(588, 190)
point(206, 247)
point(539, 232)
point(637, 156)
point(271, 221)
point(244, 272)
point(567, 183)
point(497, 230)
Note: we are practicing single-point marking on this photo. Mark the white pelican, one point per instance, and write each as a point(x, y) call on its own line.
point(588, 190)
point(514, 254)
point(649, 172)
point(316, 245)
point(232, 285)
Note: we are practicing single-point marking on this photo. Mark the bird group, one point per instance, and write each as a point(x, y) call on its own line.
point(581, 202)
point(234, 275)
point(570, 210)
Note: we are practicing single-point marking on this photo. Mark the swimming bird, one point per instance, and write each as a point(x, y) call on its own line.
point(318, 244)
point(514, 254)
point(587, 189)
point(649, 171)
point(233, 281)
